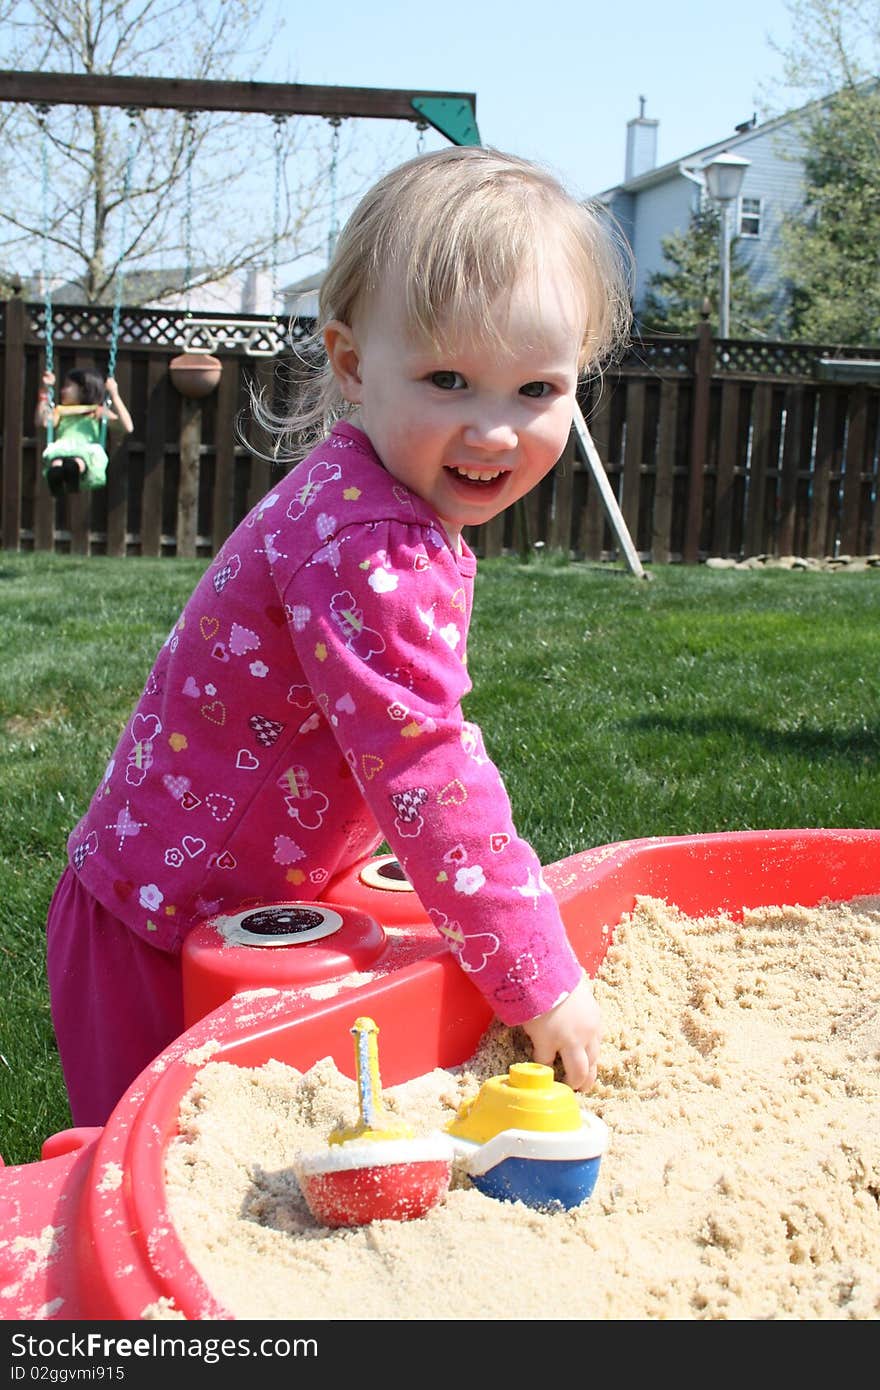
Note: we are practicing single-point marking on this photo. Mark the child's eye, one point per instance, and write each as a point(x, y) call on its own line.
point(536, 389)
point(448, 381)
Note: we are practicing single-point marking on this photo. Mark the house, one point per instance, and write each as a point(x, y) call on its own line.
point(300, 300)
point(655, 201)
point(246, 291)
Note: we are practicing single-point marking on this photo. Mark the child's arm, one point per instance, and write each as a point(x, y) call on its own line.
point(119, 411)
point(382, 643)
point(573, 1031)
point(43, 412)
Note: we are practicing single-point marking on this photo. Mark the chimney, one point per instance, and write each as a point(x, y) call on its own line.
point(256, 294)
point(641, 144)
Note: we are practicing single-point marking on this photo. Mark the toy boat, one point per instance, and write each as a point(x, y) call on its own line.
point(378, 1170)
point(525, 1139)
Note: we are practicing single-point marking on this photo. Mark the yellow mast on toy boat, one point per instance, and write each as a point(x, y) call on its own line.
point(374, 1122)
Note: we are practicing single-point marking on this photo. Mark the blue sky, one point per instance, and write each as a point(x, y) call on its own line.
point(555, 81)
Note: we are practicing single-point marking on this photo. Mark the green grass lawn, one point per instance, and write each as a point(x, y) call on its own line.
point(694, 701)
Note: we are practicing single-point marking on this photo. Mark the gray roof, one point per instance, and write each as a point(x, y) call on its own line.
point(742, 135)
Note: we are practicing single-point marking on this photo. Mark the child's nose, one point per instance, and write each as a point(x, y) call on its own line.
point(490, 432)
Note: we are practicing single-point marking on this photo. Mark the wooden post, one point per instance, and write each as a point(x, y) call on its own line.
point(755, 531)
point(728, 443)
point(560, 537)
point(703, 362)
point(589, 534)
point(117, 472)
point(264, 381)
point(854, 465)
point(223, 514)
point(633, 455)
point(826, 406)
point(521, 530)
point(153, 487)
point(664, 487)
point(792, 451)
point(188, 488)
point(79, 504)
point(13, 405)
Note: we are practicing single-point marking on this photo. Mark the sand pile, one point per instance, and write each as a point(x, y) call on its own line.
point(739, 1079)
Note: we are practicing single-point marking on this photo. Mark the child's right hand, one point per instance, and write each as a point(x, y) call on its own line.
point(573, 1031)
point(48, 378)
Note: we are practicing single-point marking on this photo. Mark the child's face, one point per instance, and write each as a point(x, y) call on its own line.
point(70, 393)
point(473, 426)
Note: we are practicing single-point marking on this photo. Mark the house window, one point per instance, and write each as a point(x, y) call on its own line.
point(750, 217)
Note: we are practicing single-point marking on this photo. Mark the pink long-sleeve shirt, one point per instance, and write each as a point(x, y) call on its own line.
point(306, 705)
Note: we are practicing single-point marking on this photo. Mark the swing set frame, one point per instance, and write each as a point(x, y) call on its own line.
point(453, 114)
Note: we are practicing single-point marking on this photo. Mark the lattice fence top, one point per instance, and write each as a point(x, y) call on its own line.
point(161, 329)
point(660, 355)
point(749, 358)
point(738, 357)
point(766, 359)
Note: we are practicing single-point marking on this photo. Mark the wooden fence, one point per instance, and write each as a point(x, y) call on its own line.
point(713, 448)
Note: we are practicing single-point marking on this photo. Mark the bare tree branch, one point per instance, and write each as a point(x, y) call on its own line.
point(89, 224)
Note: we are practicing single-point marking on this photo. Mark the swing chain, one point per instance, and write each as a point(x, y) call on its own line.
point(421, 127)
point(279, 120)
point(190, 120)
point(42, 118)
point(133, 115)
point(333, 231)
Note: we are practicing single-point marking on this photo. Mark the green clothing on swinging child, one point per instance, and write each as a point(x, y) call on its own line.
point(79, 436)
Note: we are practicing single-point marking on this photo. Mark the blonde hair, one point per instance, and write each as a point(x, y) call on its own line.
point(460, 226)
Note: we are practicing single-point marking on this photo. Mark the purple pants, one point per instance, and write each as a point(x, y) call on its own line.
point(116, 1001)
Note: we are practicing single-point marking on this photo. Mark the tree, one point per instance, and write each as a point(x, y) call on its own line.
point(829, 251)
point(195, 182)
point(675, 297)
point(834, 44)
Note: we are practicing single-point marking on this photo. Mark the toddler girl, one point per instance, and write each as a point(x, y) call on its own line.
point(76, 458)
point(307, 704)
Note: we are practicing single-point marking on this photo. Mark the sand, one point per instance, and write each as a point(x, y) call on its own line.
point(740, 1081)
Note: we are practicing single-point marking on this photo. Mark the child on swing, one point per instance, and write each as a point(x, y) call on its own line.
point(76, 459)
point(307, 704)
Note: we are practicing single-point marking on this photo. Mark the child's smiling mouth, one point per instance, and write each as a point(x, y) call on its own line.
point(477, 475)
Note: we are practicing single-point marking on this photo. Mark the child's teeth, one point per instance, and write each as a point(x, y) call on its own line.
point(476, 477)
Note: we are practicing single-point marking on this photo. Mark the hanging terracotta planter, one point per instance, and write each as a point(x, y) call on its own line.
point(195, 374)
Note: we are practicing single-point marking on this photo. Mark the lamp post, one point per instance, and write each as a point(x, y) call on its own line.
point(724, 179)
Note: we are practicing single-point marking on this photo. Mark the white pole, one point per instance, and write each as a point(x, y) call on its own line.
point(600, 477)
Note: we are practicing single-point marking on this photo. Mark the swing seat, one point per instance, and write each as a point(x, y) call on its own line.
point(94, 456)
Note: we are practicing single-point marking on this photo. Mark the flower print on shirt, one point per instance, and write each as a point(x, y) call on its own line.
point(382, 578)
